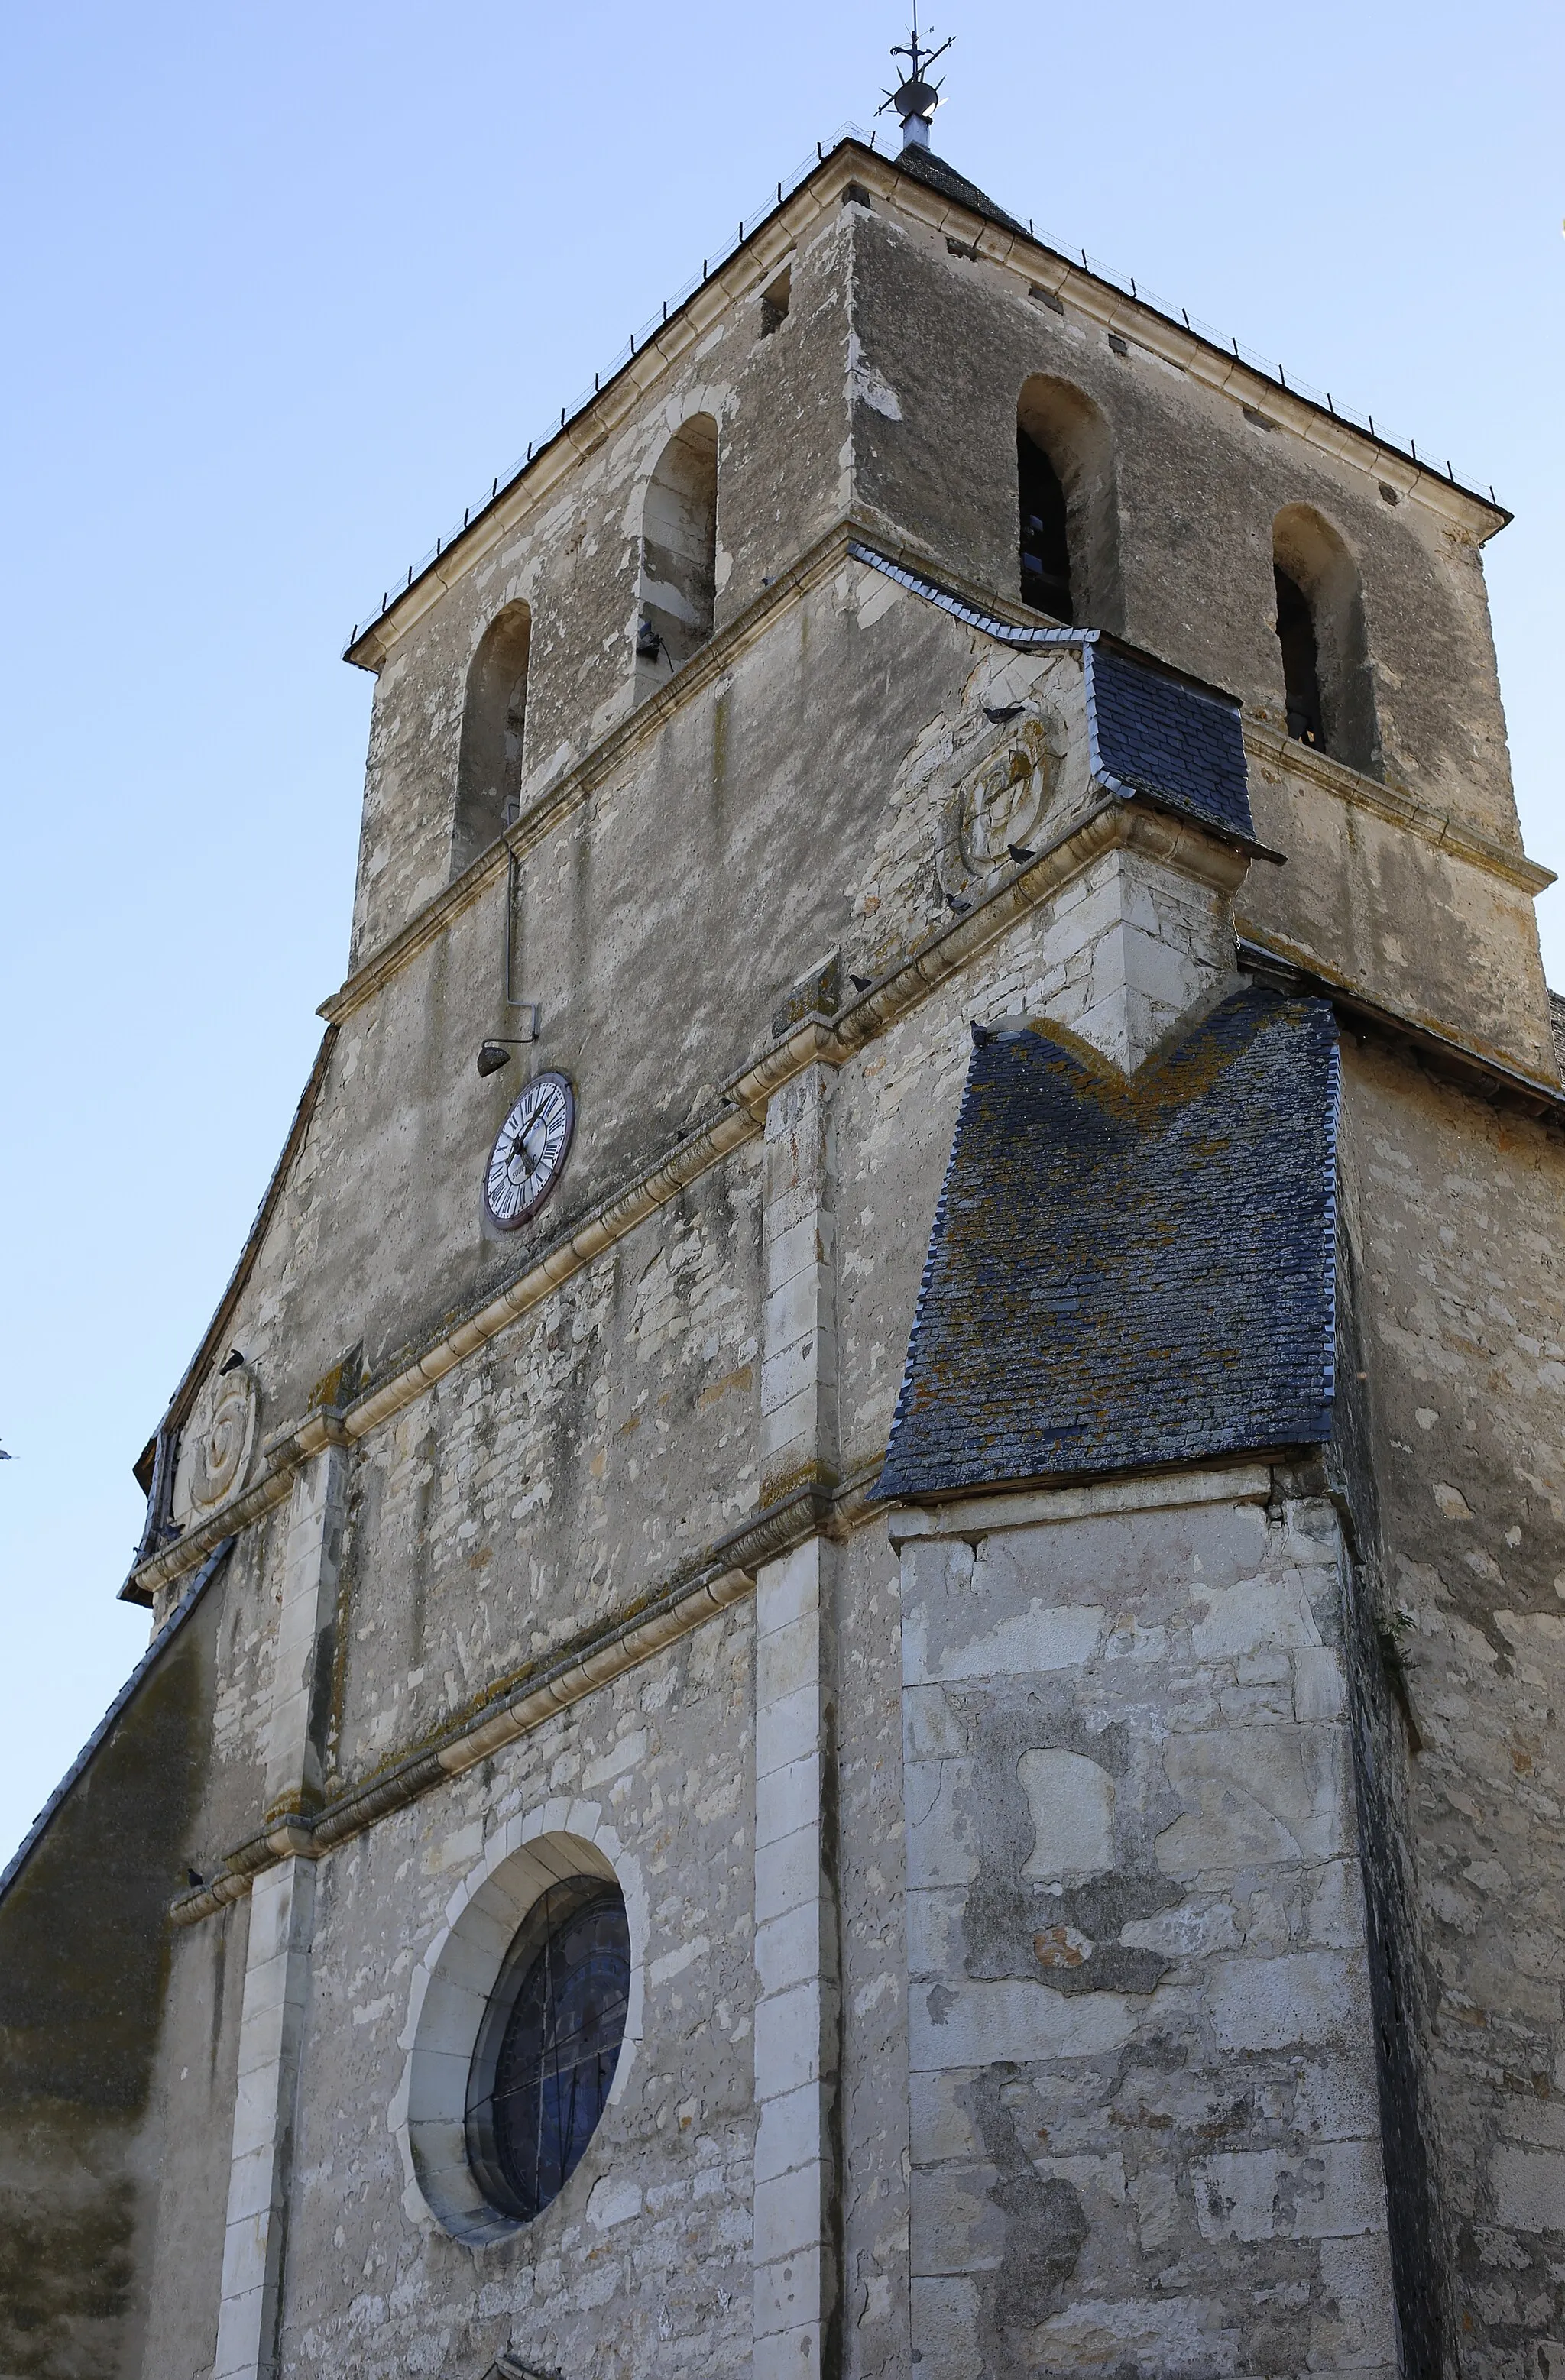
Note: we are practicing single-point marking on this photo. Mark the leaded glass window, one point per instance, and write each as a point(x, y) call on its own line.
point(549, 2044)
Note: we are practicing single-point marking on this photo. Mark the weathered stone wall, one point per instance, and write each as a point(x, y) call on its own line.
point(1142, 2093)
point(85, 2130)
point(1444, 936)
point(642, 2265)
point(1453, 1211)
point(605, 1440)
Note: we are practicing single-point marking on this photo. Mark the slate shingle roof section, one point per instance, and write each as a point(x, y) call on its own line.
point(1158, 737)
point(924, 165)
point(1123, 1274)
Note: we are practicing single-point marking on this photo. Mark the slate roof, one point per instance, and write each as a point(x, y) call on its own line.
point(121, 1703)
point(924, 165)
point(1160, 736)
point(1129, 1273)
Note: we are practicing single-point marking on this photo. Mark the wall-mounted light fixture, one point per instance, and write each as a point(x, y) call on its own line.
point(495, 1050)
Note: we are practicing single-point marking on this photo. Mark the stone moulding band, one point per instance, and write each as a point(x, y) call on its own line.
point(725, 1575)
point(1384, 798)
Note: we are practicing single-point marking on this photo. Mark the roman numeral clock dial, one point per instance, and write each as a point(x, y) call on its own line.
point(530, 1151)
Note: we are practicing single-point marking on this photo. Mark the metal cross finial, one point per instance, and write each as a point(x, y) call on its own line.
point(916, 98)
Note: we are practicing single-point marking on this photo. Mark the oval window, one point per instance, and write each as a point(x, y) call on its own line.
point(549, 2043)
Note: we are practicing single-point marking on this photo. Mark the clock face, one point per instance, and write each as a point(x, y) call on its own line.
point(530, 1151)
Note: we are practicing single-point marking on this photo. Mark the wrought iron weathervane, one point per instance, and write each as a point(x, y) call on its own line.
point(916, 98)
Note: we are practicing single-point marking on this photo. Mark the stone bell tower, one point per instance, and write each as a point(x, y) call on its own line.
point(856, 1599)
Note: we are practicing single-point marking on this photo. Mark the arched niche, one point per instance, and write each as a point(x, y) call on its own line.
point(1068, 505)
point(489, 771)
point(1328, 683)
point(677, 591)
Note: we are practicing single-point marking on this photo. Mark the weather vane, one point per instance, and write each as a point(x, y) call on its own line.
point(916, 98)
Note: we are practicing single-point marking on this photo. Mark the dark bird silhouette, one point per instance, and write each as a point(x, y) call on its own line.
point(860, 982)
point(231, 1362)
point(1000, 712)
point(197, 1878)
point(961, 907)
point(1020, 853)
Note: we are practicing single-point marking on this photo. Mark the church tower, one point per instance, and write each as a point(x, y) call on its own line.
point(856, 1605)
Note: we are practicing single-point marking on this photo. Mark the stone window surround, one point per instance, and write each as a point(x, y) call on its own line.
point(451, 1990)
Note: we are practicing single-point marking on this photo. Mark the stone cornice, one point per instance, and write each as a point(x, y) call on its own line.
point(1389, 800)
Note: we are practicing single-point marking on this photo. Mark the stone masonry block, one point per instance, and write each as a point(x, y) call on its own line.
point(788, 1872)
point(789, 2212)
point(789, 1948)
point(785, 1589)
point(788, 2040)
point(788, 1729)
point(789, 2130)
point(788, 1798)
point(1305, 1997)
point(788, 1660)
point(787, 2289)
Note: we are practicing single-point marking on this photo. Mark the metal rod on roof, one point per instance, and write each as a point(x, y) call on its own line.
point(1281, 380)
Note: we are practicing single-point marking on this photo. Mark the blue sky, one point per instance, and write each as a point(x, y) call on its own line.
point(284, 287)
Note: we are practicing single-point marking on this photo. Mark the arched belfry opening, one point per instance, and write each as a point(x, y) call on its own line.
point(1327, 685)
point(489, 771)
point(1046, 550)
point(678, 582)
point(1067, 506)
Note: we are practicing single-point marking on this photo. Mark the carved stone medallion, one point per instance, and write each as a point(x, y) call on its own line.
point(215, 1456)
point(1003, 801)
